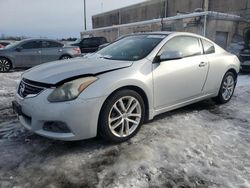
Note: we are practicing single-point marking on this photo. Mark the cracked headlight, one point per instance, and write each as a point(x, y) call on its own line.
point(70, 90)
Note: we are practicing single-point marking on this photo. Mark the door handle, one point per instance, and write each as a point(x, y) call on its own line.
point(39, 52)
point(60, 50)
point(202, 64)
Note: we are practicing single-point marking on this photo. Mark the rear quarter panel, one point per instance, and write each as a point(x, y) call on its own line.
point(69, 50)
point(219, 64)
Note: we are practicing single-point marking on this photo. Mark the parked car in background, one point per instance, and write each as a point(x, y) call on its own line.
point(32, 52)
point(90, 44)
point(3, 44)
point(244, 54)
point(112, 92)
point(244, 57)
point(106, 44)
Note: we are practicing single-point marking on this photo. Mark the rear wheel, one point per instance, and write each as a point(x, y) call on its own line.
point(65, 57)
point(121, 116)
point(5, 65)
point(227, 88)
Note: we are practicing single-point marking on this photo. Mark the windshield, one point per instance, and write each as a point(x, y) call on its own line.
point(131, 48)
point(12, 45)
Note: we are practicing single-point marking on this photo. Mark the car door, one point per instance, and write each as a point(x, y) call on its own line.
point(51, 51)
point(28, 54)
point(179, 80)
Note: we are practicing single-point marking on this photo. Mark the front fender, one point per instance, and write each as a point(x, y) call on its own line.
point(112, 81)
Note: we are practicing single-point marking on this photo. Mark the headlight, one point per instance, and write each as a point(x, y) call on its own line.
point(70, 90)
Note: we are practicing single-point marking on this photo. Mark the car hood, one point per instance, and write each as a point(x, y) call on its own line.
point(58, 71)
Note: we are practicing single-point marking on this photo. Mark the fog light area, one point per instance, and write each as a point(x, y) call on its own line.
point(56, 127)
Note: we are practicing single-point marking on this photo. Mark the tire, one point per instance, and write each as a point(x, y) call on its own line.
point(5, 65)
point(117, 122)
point(65, 57)
point(226, 89)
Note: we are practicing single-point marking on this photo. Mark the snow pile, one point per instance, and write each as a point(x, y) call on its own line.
point(8, 83)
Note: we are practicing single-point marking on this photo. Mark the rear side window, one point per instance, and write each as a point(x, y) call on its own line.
point(32, 45)
point(187, 46)
point(51, 44)
point(208, 47)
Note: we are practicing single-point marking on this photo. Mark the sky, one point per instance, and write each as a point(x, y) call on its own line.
point(51, 18)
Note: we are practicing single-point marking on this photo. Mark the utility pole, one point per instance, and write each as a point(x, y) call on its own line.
point(206, 5)
point(84, 12)
point(206, 8)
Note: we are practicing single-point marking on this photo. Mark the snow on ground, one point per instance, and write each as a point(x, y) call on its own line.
point(201, 145)
point(8, 83)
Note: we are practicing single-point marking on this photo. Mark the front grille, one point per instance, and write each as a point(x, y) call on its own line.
point(26, 89)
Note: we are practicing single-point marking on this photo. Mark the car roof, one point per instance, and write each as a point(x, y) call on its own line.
point(170, 33)
point(93, 37)
point(159, 33)
point(32, 39)
point(166, 33)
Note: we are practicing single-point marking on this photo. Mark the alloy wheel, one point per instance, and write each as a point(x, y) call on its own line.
point(4, 65)
point(124, 116)
point(228, 87)
point(65, 57)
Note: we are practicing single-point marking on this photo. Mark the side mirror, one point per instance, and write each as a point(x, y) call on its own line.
point(170, 55)
point(19, 49)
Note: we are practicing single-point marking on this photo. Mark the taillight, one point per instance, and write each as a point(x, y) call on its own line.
point(78, 51)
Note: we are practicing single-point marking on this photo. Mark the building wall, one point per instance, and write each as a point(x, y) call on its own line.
point(218, 29)
point(221, 31)
point(175, 6)
point(228, 6)
point(139, 12)
point(160, 8)
point(107, 19)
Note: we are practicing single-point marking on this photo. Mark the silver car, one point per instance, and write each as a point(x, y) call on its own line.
point(112, 92)
point(32, 52)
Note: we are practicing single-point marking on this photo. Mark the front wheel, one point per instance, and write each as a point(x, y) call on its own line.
point(5, 65)
point(121, 116)
point(227, 88)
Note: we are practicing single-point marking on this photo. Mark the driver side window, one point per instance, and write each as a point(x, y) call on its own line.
point(186, 45)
